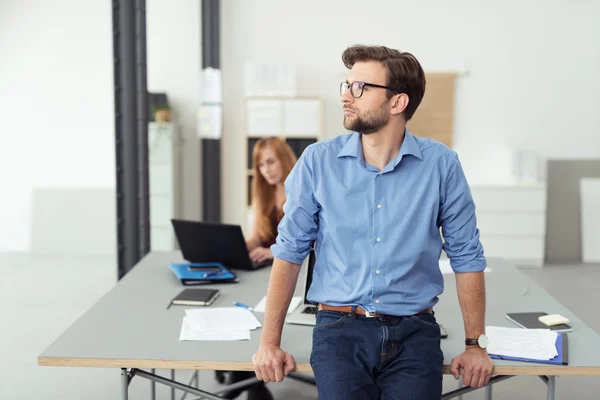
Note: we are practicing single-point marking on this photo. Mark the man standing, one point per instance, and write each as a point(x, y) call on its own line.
point(373, 203)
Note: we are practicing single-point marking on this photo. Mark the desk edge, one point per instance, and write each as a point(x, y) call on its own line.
point(534, 369)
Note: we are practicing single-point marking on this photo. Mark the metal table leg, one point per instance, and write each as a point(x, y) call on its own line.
point(153, 386)
point(172, 388)
point(488, 392)
point(551, 387)
point(124, 384)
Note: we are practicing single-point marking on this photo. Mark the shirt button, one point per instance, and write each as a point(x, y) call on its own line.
point(379, 239)
point(378, 205)
point(377, 272)
point(377, 301)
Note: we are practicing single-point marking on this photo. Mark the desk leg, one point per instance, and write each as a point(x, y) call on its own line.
point(488, 392)
point(551, 387)
point(172, 388)
point(153, 386)
point(124, 384)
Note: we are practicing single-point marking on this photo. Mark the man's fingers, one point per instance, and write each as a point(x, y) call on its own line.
point(482, 379)
point(454, 368)
point(258, 373)
point(289, 364)
point(474, 379)
point(278, 374)
point(467, 376)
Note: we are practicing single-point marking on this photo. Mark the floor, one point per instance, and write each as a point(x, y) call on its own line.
point(41, 296)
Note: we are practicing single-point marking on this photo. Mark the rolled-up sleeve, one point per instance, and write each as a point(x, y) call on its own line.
point(298, 228)
point(458, 221)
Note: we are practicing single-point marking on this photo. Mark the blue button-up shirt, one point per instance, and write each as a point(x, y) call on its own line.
point(377, 233)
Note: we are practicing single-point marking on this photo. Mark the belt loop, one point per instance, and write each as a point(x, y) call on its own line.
point(353, 312)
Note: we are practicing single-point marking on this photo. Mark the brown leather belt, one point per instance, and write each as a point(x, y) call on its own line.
point(361, 311)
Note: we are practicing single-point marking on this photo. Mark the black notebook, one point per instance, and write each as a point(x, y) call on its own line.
point(529, 320)
point(196, 297)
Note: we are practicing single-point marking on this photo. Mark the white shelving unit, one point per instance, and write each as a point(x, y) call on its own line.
point(512, 221)
point(163, 173)
point(298, 120)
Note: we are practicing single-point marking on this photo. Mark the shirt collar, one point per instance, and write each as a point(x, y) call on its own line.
point(353, 147)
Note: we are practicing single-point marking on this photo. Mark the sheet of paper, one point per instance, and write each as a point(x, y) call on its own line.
point(269, 79)
point(260, 307)
point(210, 86)
point(536, 344)
point(302, 117)
point(188, 332)
point(209, 121)
point(222, 318)
point(264, 117)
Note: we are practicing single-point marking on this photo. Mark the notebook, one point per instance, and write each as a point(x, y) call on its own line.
point(196, 297)
point(529, 320)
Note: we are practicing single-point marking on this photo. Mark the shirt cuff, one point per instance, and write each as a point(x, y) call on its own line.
point(284, 254)
point(477, 265)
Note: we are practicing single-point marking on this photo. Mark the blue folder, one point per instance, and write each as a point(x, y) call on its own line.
point(221, 275)
point(562, 349)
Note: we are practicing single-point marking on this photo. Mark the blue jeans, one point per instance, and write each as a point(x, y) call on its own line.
point(355, 357)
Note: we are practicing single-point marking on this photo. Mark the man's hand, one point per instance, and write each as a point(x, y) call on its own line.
point(260, 254)
point(271, 363)
point(477, 367)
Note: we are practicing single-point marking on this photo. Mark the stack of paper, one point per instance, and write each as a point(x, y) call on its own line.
point(533, 344)
point(224, 323)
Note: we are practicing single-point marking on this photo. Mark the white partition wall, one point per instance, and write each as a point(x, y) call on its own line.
point(590, 220)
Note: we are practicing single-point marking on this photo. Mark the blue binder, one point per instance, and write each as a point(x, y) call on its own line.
point(221, 275)
point(562, 348)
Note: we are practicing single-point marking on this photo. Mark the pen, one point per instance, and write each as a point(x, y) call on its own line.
point(243, 306)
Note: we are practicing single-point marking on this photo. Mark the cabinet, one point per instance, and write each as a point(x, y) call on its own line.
point(297, 120)
point(512, 221)
point(163, 172)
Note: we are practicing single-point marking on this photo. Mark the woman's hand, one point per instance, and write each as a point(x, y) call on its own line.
point(260, 254)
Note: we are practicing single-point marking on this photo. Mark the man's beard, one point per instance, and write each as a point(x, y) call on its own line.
point(370, 123)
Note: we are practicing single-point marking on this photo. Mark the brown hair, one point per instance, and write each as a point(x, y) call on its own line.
point(263, 194)
point(403, 71)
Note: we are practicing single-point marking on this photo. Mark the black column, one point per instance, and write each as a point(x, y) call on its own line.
point(131, 149)
point(142, 129)
point(211, 148)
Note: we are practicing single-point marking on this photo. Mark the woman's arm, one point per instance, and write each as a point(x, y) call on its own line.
point(253, 240)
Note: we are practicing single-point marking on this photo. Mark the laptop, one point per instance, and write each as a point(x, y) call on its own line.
point(306, 313)
point(202, 242)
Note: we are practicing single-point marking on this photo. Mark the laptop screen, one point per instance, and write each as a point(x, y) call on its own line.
point(309, 274)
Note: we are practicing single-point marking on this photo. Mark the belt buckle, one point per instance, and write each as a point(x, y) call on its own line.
point(368, 314)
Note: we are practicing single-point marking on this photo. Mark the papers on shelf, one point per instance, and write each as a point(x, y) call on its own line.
point(534, 344)
point(260, 307)
point(222, 323)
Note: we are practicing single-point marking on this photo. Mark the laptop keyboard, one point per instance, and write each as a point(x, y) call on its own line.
point(309, 310)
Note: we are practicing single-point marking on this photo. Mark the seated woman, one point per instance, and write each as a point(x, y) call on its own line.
point(272, 160)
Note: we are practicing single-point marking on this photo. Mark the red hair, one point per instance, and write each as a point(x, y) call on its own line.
point(263, 194)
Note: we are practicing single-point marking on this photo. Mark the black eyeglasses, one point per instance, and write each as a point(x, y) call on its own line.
point(357, 88)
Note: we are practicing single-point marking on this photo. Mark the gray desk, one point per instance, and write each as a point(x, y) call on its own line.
point(130, 328)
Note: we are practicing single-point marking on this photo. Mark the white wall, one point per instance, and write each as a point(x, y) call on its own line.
point(56, 102)
point(174, 60)
point(532, 80)
point(57, 107)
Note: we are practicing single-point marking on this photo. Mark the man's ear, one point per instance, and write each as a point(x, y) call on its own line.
point(399, 103)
